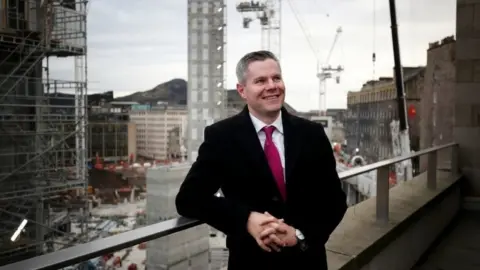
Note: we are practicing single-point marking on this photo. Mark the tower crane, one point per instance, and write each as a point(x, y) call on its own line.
point(326, 71)
point(268, 12)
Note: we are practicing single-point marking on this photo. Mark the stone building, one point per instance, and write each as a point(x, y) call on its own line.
point(371, 110)
point(176, 144)
point(466, 130)
point(437, 104)
point(153, 125)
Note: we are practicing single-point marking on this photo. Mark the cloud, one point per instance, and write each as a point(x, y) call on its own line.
point(135, 47)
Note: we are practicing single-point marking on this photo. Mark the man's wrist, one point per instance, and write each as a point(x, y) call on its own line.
point(301, 244)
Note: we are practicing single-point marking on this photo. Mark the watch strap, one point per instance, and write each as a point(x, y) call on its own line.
point(302, 245)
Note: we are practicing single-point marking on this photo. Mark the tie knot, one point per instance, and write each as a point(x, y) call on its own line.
point(268, 130)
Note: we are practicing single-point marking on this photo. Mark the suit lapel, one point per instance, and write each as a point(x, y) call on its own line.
point(292, 143)
point(247, 137)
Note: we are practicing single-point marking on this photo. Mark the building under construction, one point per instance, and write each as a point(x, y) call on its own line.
point(42, 124)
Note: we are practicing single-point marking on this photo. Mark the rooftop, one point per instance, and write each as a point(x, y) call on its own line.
point(417, 211)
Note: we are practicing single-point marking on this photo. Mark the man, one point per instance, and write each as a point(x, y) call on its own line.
point(282, 195)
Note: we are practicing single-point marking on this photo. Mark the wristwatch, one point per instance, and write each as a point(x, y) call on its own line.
point(300, 240)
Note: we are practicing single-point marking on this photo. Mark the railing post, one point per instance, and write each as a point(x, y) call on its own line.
point(454, 161)
point(432, 170)
point(383, 189)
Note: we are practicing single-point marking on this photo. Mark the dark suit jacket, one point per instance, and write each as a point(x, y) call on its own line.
point(232, 159)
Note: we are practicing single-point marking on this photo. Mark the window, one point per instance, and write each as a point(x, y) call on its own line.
point(194, 134)
point(194, 23)
point(193, 7)
point(205, 54)
point(194, 114)
point(194, 54)
point(206, 6)
point(206, 70)
point(205, 96)
point(205, 25)
point(217, 21)
point(194, 96)
point(193, 39)
point(205, 83)
point(205, 113)
point(194, 80)
point(217, 113)
point(205, 39)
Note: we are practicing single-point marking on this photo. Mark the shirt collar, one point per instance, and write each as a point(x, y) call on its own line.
point(259, 124)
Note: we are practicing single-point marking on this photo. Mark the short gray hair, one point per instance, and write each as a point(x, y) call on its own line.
point(242, 65)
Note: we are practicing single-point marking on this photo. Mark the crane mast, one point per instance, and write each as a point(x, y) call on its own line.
point(325, 73)
point(268, 12)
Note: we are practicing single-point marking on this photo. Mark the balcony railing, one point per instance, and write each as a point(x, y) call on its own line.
point(83, 252)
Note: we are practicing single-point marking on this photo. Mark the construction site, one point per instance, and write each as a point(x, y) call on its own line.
point(43, 174)
point(65, 182)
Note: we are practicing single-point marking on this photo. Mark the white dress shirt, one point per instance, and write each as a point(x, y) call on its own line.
point(277, 136)
point(278, 140)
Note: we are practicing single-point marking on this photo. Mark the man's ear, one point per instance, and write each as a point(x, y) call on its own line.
point(241, 90)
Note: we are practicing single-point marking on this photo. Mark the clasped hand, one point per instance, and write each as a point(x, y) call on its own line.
point(270, 232)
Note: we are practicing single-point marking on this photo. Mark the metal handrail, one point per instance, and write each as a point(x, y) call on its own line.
point(387, 162)
point(82, 252)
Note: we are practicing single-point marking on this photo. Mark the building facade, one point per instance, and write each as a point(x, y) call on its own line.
point(371, 110)
point(437, 104)
point(111, 136)
point(206, 68)
point(153, 126)
point(176, 144)
point(466, 98)
point(110, 139)
point(337, 130)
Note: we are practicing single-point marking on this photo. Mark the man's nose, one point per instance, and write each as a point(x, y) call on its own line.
point(271, 85)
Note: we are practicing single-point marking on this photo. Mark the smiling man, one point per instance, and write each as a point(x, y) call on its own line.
point(282, 195)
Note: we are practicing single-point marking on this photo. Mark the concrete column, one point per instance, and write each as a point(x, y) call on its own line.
point(184, 250)
point(467, 94)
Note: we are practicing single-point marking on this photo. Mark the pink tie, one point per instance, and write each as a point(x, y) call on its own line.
point(274, 161)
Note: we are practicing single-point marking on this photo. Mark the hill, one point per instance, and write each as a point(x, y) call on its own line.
point(175, 92)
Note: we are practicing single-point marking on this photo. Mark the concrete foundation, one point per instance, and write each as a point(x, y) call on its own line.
point(186, 250)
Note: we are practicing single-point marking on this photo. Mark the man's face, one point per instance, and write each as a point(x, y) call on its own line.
point(263, 87)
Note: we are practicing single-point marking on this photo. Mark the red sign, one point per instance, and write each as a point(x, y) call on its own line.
point(412, 112)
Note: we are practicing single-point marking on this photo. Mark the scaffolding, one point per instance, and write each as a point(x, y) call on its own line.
point(42, 124)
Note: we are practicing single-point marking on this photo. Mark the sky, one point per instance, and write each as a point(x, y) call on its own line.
point(134, 47)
